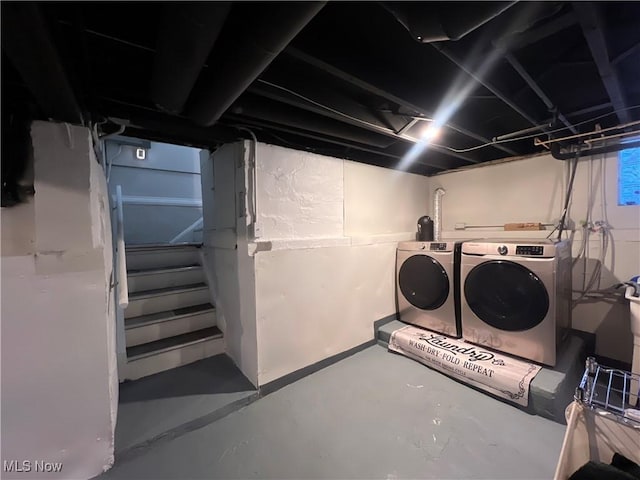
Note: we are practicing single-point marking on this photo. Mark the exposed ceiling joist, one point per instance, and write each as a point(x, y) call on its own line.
point(334, 141)
point(256, 44)
point(188, 33)
point(521, 40)
point(510, 103)
point(29, 46)
point(629, 51)
point(594, 33)
point(517, 66)
point(336, 72)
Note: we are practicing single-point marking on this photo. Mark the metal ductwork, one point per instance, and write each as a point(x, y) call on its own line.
point(276, 112)
point(186, 36)
point(265, 31)
point(429, 22)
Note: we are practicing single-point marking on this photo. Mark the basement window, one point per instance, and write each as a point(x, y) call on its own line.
point(629, 176)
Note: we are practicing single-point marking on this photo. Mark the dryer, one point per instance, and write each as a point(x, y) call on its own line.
point(427, 279)
point(516, 296)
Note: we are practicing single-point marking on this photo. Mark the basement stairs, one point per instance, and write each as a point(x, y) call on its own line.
point(170, 320)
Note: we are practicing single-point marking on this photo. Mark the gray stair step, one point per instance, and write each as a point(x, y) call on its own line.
point(165, 277)
point(144, 320)
point(161, 256)
point(160, 246)
point(157, 326)
point(164, 345)
point(148, 302)
point(159, 292)
point(155, 271)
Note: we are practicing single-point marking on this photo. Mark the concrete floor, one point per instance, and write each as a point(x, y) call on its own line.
point(198, 393)
point(372, 415)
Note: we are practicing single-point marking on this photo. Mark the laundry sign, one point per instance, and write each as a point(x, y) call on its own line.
point(492, 372)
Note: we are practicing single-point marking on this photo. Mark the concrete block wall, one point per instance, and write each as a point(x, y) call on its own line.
point(322, 268)
point(59, 372)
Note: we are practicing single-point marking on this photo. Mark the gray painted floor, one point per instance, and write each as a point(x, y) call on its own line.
point(372, 415)
point(154, 405)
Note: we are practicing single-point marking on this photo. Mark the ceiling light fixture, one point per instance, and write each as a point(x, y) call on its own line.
point(430, 133)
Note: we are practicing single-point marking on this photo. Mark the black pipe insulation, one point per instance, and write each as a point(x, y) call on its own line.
point(186, 35)
point(265, 31)
point(558, 154)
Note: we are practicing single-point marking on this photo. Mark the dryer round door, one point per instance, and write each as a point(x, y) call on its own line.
point(423, 282)
point(506, 295)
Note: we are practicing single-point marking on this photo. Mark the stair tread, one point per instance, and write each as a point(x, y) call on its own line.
point(160, 246)
point(152, 271)
point(167, 315)
point(162, 291)
point(173, 342)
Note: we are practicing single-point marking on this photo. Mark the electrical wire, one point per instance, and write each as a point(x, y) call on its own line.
point(451, 149)
point(569, 193)
point(110, 161)
point(337, 112)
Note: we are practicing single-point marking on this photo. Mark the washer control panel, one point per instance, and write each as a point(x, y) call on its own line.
point(529, 250)
point(438, 247)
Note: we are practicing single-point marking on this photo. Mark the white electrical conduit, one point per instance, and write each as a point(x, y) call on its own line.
point(437, 213)
point(254, 170)
point(123, 287)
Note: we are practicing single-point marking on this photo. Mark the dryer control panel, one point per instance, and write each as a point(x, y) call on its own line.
point(529, 250)
point(438, 247)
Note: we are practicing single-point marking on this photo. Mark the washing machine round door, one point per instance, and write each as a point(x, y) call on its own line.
point(423, 282)
point(506, 295)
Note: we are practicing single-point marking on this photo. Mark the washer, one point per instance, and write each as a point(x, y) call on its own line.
point(516, 296)
point(427, 279)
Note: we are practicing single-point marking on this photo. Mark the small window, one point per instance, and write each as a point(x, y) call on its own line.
point(629, 176)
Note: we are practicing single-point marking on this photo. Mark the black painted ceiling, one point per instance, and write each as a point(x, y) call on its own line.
point(357, 80)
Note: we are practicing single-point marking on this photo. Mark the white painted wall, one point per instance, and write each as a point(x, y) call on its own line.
point(228, 266)
point(300, 195)
point(379, 201)
point(314, 303)
point(322, 270)
point(59, 372)
point(315, 299)
point(533, 190)
point(322, 278)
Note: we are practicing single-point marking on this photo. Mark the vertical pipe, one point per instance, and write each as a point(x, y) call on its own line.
point(123, 288)
point(437, 213)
